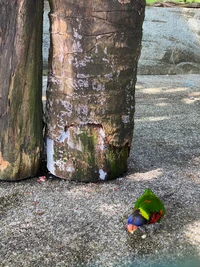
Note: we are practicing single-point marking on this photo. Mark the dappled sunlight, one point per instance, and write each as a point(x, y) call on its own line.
point(146, 176)
point(192, 98)
point(111, 209)
point(154, 90)
point(160, 118)
point(163, 104)
point(151, 90)
point(176, 90)
point(196, 160)
point(192, 234)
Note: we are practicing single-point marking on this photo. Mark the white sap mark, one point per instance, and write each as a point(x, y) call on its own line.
point(76, 47)
point(102, 133)
point(98, 86)
point(76, 34)
point(105, 51)
point(83, 80)
point(83, 83)
point(64, 166)
point(102, 174)
point(79, 63)
point(82, 76)
point(70, 138)
point(96, 49)
point(79, 26)
point(82, 63)
point(60, 164)
point(106, 60)
point(124, 1)
point(70, 169)
point(89, 59)
point(54, 80)
point(102, 136)
point(102, 101)
point(109, 76)
point(82, 109)
point(76, 63)
point(125, 119)
point(50, 155)
point(67, 106)
point(61, 57)
point(64, 135)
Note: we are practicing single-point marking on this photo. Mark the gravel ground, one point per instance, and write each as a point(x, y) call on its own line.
point(57, 223)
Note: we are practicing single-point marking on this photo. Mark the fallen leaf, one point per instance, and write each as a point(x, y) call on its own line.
point(40, 213)
point(41, 179)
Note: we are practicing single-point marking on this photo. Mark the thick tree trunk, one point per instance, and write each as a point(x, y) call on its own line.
point(20, 88)
point(95, 46)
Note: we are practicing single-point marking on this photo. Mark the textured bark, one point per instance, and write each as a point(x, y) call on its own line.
point(95, 46)
point(20, 88)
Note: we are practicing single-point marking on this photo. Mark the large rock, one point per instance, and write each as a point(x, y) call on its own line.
point(171, 41)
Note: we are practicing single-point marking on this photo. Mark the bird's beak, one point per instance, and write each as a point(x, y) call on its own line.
point(131, 228)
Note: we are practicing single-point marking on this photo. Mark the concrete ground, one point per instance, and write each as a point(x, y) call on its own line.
point(57, 223)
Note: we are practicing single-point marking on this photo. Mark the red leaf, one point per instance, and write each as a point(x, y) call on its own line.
point(41, 179)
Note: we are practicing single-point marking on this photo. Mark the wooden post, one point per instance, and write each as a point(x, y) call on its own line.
point(95, 46)
point(20, 88)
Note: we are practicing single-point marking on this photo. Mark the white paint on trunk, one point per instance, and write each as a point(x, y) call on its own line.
point(64, 135)
point(68, 137)
point(102, 137)
point(50, 155)
point(102, 174)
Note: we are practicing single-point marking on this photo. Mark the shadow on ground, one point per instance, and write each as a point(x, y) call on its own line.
point(57, 223)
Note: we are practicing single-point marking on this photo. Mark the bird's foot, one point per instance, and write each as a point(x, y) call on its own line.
point(142, 228)
point(153, 228)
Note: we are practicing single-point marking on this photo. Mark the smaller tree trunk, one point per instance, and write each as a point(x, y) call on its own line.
point(20, 88)
point(95, 46)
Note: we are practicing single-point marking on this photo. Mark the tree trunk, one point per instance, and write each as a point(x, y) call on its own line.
point(20, 88)
point(95, 46)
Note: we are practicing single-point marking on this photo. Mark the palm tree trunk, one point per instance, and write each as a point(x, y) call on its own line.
point(20, 88)
point(95, 47)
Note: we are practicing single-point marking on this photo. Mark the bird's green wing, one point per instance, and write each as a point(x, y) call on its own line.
point(149, 203)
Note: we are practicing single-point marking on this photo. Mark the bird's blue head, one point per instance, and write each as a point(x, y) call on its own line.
point(134, 221)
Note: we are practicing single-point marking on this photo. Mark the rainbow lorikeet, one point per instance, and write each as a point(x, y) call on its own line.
point(148, 209)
